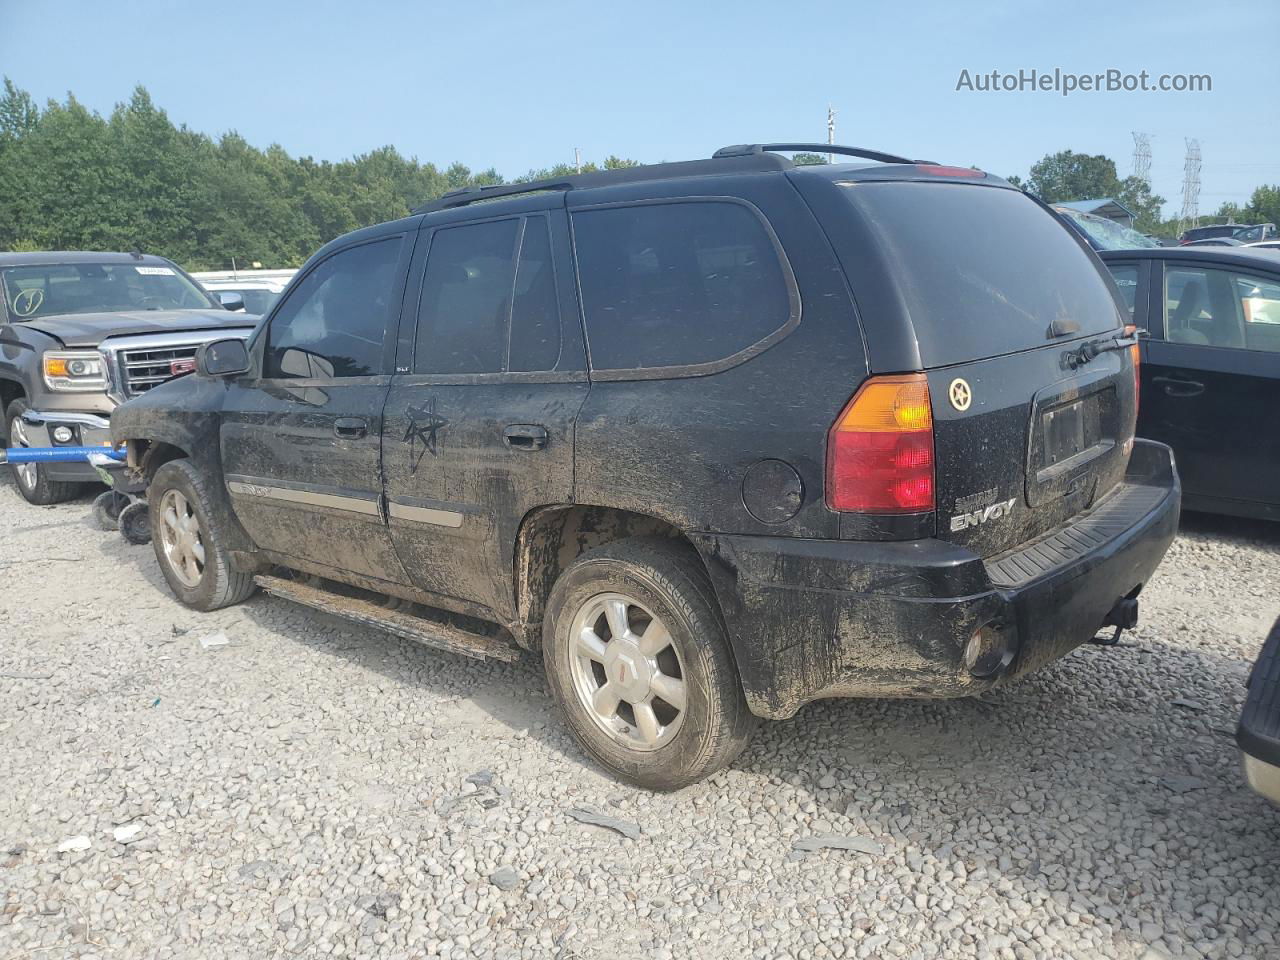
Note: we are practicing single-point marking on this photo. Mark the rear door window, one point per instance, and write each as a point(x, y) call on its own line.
point(489, 302)
point(676, 284)
point(1221, 308)
point(466, 299)
point(983, 271)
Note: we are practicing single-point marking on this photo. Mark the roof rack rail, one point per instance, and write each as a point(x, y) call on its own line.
point(746, 162)
point(465, 195)
point(746, 149)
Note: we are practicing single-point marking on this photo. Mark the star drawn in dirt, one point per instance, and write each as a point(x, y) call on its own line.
point(424, 425)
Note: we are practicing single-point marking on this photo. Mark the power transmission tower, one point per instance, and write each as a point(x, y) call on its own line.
point(1142, 157)
point(1190, 215)
point(831, 131)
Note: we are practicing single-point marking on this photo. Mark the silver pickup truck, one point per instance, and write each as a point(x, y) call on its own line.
point(80, 333)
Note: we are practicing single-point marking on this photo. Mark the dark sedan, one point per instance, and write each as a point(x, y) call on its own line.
point(1210, 368)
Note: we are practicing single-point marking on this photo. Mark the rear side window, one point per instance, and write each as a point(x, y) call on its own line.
point(675, 284)
point(488, 302)
point(983, 271)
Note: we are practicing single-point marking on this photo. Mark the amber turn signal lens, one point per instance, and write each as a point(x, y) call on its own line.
point(889, 405)
point(55, 366)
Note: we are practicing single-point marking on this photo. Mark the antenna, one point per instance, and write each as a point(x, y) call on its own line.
point(831, 131)
point(1142, 157)
point(1190, 215)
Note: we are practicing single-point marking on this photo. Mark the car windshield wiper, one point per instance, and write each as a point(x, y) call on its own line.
point(1095, 348)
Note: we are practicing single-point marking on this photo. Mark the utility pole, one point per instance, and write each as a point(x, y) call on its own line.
point(831, 131)
point(1142, 157)
point(1190, 215)
point(577, 159)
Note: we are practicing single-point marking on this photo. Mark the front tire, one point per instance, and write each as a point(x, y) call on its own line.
point(32, 479)
point(187, 533)
point(636, 653)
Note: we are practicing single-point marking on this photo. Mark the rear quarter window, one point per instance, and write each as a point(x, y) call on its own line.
point(983, 271)
point(679, 284)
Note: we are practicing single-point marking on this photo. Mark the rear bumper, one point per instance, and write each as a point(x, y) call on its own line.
point(818, 618)
point(1259, 732)
point(87, 429)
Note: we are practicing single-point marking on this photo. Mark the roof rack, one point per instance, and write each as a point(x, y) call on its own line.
point(465, 195)
point(744, 162)
point(750, 149)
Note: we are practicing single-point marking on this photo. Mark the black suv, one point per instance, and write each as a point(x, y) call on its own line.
point(719, 438)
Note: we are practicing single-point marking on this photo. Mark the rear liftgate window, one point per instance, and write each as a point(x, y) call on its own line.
point(676, 284)
point(984, 271)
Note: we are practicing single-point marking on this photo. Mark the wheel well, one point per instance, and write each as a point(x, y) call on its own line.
point(9, 392)
point(148, 456)
point(551, 538)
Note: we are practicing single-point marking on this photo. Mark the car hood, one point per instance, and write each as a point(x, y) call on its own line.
point(90, 329)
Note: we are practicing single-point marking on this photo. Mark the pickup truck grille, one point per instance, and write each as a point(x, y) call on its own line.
point(137, 363)
point(143, 369)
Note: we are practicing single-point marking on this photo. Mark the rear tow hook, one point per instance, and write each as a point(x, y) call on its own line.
point(1123, 616)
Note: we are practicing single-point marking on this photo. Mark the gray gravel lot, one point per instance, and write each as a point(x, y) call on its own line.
point(303, 791)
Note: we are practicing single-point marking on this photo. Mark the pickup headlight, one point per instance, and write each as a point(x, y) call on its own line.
point(75, 371)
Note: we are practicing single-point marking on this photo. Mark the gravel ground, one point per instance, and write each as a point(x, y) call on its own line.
point(304, 791)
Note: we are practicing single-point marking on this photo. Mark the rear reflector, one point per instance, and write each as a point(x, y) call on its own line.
point(938, 170)
point(880, 449)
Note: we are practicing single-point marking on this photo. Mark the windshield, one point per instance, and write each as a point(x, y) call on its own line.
point(45, 290)
point(1107, 234)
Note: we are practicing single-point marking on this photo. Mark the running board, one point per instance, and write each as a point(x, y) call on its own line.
point(433, 633)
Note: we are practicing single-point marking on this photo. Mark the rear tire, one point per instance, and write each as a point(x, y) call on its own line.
point(637, 654)
point(187, 533)
point(32, 479)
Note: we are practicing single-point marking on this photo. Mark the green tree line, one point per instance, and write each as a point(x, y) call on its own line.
point(72, 179)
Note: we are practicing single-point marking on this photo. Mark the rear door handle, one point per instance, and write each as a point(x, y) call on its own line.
point(525, 436)
point(1178, 387)
point(350, 428)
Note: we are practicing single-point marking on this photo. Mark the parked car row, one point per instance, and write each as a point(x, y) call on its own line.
point(1239, 232)
point(717, 438)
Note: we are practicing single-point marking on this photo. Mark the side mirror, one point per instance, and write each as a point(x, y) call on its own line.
point(230, 300)
point(222, 358)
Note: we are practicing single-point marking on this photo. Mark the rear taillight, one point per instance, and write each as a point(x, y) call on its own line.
point(880, 449)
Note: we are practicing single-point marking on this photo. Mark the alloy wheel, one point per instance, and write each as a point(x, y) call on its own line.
point(181, 538)
point(627, 671)
point(26, 472)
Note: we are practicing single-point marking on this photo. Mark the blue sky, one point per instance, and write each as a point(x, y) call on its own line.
point(519, 85)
